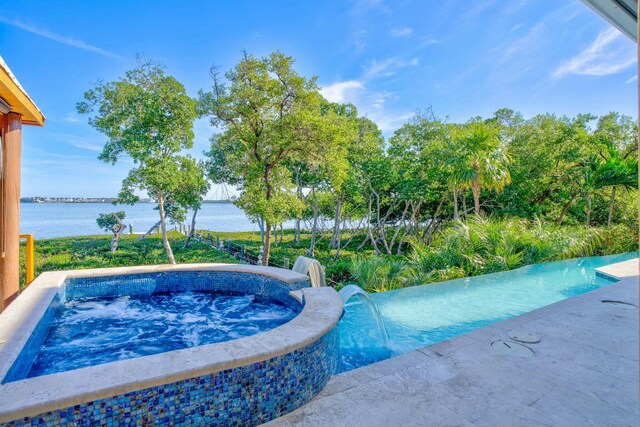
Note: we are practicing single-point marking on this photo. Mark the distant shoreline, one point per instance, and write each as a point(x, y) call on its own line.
point(71, 200)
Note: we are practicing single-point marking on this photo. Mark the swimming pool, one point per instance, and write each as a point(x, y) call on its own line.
point(423, 315)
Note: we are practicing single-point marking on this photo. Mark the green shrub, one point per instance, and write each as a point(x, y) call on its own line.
point(378, 274)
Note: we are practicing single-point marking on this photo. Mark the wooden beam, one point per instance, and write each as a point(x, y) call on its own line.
point(11, 128)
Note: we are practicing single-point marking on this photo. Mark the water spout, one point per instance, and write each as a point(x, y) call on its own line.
point(351, 291)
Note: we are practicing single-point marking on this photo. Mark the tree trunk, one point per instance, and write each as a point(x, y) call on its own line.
point(464, 205)
point(314, 227)
point(296, 233)
point(260, 222)
point(400, 227)
point(163, 228)
point(153, 227)
point(565, 208)
point(588, 209)
point(267, 224)
point(611, 203)
point(117, 229)
point(193, 229)
point(335, 237)
point(369, 233)
point(456, 215)
point(475, 188)
point(267, 243)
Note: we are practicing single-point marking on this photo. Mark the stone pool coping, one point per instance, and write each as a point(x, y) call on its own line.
point(321, 312)
point(584, 372)
point(620, 270)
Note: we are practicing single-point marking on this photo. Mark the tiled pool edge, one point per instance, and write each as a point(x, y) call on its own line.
point(231, 397)
point(20, 399)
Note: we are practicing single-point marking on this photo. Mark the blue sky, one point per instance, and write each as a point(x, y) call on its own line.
point(463, 58)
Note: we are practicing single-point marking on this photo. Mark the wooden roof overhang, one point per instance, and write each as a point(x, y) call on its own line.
point(15, 99)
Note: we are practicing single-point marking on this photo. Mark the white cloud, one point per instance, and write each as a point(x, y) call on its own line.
point(342, 91)
point(78, 141)
point(601, 58)
point(390, 123)
point(401, 32)
point(528, 43)
point(429, 41)
point(72, 118)
point(632, 79)
point(387, 67)
point(371, 104)
point(68, 41)
point(475, 9)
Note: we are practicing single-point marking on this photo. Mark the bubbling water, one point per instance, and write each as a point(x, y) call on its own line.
point(100, 330)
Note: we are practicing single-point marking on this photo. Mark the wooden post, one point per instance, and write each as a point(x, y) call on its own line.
point(217, 242)
point(242, 249)
point(286, 263)
point(29, 257)
point(11, 128)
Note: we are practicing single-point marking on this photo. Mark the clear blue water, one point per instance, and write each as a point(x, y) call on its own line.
point(47, 220)
point(99, 330)
point(419, 316)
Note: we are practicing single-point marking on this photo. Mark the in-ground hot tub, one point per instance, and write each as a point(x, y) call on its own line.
point(272, 347)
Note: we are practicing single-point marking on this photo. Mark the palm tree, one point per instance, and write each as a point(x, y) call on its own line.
point(611, 170)
point(618, 170)
point(482, 161)
point(590, 168)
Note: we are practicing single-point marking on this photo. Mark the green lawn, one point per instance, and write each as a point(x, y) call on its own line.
point(93, 252)
point(337, 270)
point(71, 253)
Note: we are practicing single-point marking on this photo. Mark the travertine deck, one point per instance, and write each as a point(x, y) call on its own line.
point(584, 371)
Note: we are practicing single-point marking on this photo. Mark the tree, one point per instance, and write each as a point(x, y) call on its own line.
point(367, 145)
point(618, 135)
point(423, 154)
point(267, 113)
point(112, 222)
point(147, 116)
point(335, 130)
point(482, 159)
point(194, 186)
point(617, 171)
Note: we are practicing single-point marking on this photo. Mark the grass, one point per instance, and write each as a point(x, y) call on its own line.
point(72, 253)
point(478, 246)
point(338, 271)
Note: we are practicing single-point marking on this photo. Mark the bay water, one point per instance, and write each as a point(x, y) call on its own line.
point(47, 220)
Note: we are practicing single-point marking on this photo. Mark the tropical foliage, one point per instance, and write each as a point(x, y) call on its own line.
point(147, 116)
point(435, 200)
point(112, 222)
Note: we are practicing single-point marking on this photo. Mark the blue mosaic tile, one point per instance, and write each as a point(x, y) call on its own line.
point(243, 396)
